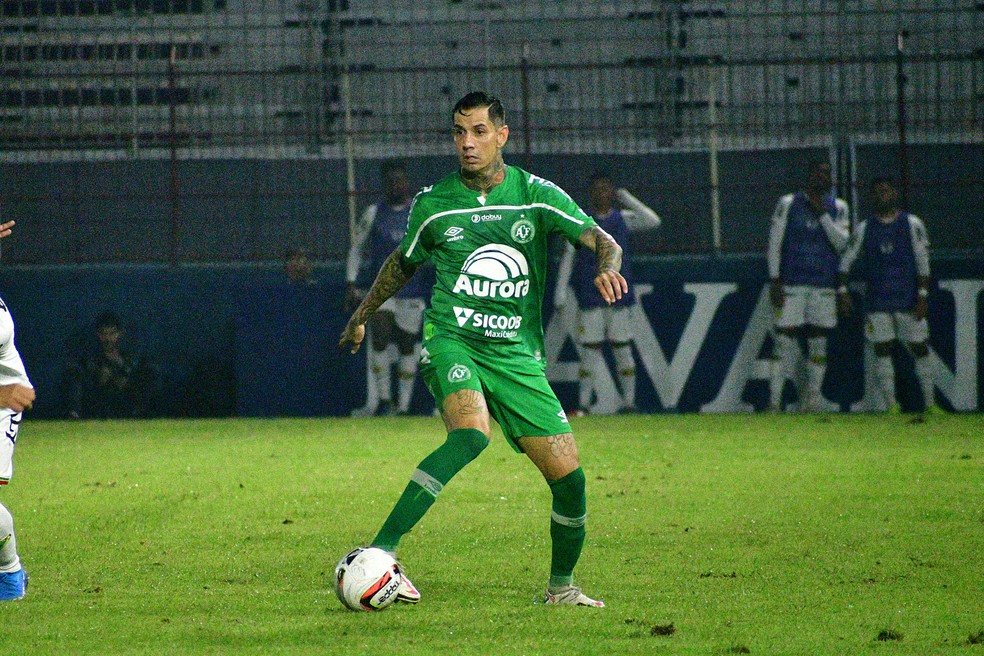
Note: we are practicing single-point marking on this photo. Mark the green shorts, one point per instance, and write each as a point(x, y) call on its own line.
point(513, 382)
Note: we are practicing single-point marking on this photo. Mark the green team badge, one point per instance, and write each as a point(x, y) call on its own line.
point(523, 231)
point(459, 373)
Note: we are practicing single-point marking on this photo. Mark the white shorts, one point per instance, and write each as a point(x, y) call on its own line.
point(880, 327)
point(595, 324)
point(814, 306)
point(407, 312)
point(9, 426)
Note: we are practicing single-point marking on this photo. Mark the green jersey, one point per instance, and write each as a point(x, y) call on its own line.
point(490, 254)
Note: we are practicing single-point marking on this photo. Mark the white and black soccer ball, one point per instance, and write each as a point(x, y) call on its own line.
point(367, 578)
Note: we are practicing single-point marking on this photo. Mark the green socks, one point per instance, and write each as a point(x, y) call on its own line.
point(566, 526)
point(432, 474)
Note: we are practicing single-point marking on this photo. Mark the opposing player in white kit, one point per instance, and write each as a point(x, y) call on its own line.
point(894, 249)
point(809, 232)
point(16, 395)
point(597, 321)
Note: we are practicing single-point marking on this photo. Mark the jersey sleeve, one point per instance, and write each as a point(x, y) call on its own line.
point(777, 232)
point(853, 248)
point(558, 210)
point(360, 235)
point(837, 226)
point(920, 245)
point(416, 244)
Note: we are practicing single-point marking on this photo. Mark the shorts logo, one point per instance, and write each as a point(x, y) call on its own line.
point(886, 247)
point(459, 373)
point(523, 231)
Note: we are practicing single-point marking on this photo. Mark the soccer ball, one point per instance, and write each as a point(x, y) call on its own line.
point(367, 578)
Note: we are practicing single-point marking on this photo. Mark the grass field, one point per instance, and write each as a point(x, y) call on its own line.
point(706, 535)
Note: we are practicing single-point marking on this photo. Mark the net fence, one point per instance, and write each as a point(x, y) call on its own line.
point(577, 76)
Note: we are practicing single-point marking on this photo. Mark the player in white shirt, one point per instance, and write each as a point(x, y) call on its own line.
point(809, 231)
point(16, 395)
point(894, 249)
point(377, 232)
point(597, 321)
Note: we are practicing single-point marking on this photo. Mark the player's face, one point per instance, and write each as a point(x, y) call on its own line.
point(108, 336)
point(602, 193)
point(885, 197)
point(396, 187)
point(477, 139)
point(819, 178)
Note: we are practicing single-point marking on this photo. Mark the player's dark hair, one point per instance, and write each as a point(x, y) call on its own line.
point(600, 174)
point(392, 166)
point(882, 179)
point(816, 164)
point(479, 99)
point(108, 320)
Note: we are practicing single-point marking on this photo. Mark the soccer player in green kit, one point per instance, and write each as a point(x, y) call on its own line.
point(485, 228)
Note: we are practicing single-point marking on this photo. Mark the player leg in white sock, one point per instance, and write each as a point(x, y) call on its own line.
point(625, 363)
point(920, 352)
point(13, 579)
point(381, 364)
point(9, 561)
point(786, 354)
point(407, 373)
point(593, 365)
point(816, 369)
point(885, 374)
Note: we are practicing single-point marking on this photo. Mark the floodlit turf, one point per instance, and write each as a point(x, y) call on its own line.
point(707, 535)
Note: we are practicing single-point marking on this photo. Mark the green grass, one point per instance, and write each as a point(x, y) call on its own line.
point(732, 534)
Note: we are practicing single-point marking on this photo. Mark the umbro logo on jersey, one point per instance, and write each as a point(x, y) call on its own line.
point(454, 233)
point(462, 315)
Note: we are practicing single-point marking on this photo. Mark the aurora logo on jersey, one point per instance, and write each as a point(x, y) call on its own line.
point(489, 272)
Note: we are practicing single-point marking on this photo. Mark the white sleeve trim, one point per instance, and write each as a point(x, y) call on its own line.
point(920, 244)
point(360, 235)
point(564, 271)
point(837, 228)
point(853, 248)
point(637, 215)
point(777, 231)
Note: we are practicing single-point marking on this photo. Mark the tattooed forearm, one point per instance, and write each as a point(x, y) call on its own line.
point(607, 252)
point(393, 275)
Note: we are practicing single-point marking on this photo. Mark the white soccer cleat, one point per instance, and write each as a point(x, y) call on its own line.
point(570, 595)
point(406, 593)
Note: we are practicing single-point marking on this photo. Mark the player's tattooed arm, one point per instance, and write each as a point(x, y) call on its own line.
point(395, 273)
point(609, 282)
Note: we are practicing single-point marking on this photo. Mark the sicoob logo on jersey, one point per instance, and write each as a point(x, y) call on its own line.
point(494, 271)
